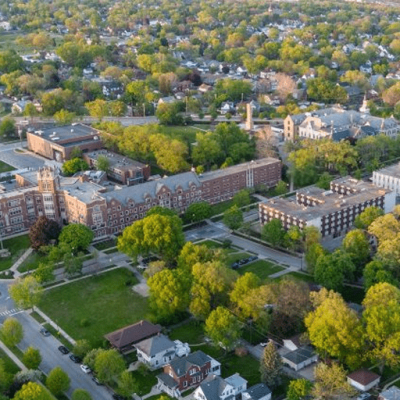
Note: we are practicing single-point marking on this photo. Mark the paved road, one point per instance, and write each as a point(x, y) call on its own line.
point(51, 358)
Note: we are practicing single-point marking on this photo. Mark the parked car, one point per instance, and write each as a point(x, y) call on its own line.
point(96, 381)
point(85, 369)
point(253, 258)
point(118, 397)
point(244, 261)
point(63, 350)
point(45, 332)
point(75, 358)
point(235, 265)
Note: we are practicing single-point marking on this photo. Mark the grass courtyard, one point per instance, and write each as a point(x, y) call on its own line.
point(16, 246)
point(91, 307)
point(263, 269)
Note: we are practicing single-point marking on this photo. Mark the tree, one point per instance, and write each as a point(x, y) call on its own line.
point(197, 212)
point(384, 228)
point(33, 391)
point(381, 317)
point(7, 127)
point(44, 273)
point(334, 329)
point(57, 381)
point(103, 163)
point(281, 188)
point(72, 263)
point(81, 348)
point(11, 332)
point(312, 255)
point(367, 217)
point(169, 293)
point(26, 292)
point(242, 198)
point(375, 272)
point(356, 245)
point(168, 114)
point(64, 117)
point(73, 166)
point(223, 328)
point(311, 235)
point(332, 269)
point(90, 358)
point(98, 108)
point(243, 286)
point(299, 389)
point(127, 384)
point(207, 151)
point(81, 394)
point(43, 232)
point(273, 232)
point(233, 217)
point(117, 108)
point(271, 365)
point(32, 358)
point(331, 382)
point(159, 234)
point(108, 365)
point(77, 236)
point(192, 254)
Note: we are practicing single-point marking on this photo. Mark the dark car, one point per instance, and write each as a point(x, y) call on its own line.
point(118, 397)
point(75, 358)
point(45, 332)
point(244, 261)
point(96, 381)
point(63, 350)
point(253, 258)
point(235, 265)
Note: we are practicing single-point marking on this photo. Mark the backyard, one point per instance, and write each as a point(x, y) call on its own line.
point(91, 307)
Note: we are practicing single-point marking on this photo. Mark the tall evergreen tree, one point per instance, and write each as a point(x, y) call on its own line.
point(270, 366)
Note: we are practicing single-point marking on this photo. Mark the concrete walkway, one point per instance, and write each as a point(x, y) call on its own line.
point(15, 266)
point(12, 356)
point(55, 326)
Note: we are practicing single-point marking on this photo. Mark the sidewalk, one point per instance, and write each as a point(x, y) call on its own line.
point(24, 256)
point(12, 356)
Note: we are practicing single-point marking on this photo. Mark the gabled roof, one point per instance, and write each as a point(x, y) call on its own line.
point(258, 391)
point(213, 387)
point(392, 393)
point(182, 365)
point(155, 345)
point(132, 334)
point(300, 355)
point(363, 376)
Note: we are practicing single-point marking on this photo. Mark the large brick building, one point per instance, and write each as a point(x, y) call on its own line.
point(331, 211)
point(57, 143)
point(77, 200)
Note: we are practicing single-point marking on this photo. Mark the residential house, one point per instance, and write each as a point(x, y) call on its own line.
point(238, 383)
point(204, 88)
point(216, 388)
point(300, 358)
point(363, 379)
point(188, 372)
point(227, 107)
point(19, 106)
point(123, 339)
point(392, 393)
point(166, 100)
point(155, 351)
point(257, 392)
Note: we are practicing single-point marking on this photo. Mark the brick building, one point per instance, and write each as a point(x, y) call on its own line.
point(331, 211)
point(122, 169)
point(57, 143)
point(79, 200)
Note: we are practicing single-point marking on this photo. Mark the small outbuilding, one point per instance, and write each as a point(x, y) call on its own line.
point(363, 379)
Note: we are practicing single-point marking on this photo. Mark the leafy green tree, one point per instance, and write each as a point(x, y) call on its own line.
point(281, 188)
point(332, 269)
point(169, 114)
point(243, 286)
point(72, 263)
point(294, 238)
point(207, 151)
point(312, 255)
point(223, 328)
point(11, 332)
point(90, 358)
point(117, 108)
point(367, 217)
point(375, 272)
point(43, 232)
point(77, 236)
point(192, 254)
point(44, 273)
point(57, 381)
point(311, 235)
point(73, 166)
point(197, 212)
point(64, 117)
point(7, 127)
point(324, 181)
point(158, 234)
point(169, 293)
point(242, 198)
point(82, 347)
point(108, 365)
point(342, 340)
point(273, 232)
point(384, 228)
point(33, 391)
point(356, 245)
point(233, 217)
point(81, 394)
point(103, 163)
point(32, 358)
point(26, 292)
point(381, 317)
point(271, 365)
point(10, 61)
point(98, 108)
point(127, 384)
point(299, 389)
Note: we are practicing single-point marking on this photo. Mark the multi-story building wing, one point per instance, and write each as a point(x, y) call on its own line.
point(388, 178)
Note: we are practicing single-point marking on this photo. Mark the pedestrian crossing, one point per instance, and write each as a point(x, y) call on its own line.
point(9, 313)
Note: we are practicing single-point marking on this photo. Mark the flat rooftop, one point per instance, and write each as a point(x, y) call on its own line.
point(392, 170)
point(116, 160)
point(66, 133)
point(83, 191)
point(237, 168)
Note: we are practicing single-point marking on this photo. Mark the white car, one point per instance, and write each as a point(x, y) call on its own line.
point(85, 369)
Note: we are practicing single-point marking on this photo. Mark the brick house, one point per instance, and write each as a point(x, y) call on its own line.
point(187, 373)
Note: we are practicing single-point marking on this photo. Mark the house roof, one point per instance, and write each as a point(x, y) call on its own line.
point(363, 376)
point(299, 355)
point(132, 334)
point(258, 391)
point(155, 345)
point(182, 365)
point(392, 393)
point(236, 380)
point(295, 340)
point(213, 387)
point(167, 380)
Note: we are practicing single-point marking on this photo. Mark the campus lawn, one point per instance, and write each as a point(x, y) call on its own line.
point(185, 133)
point(5, 167)
point(232, 258)
point(32, 262)
point(91, 307)
point(9, 364)
point(261, 268)
point(16, 246)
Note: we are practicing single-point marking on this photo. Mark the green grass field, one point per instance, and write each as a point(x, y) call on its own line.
point(263, 269)
point(16, 246)
point(91, 307)
point(5, 167)
point(232, 258)
point(9, 364)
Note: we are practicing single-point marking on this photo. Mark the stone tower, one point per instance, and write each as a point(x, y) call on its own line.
point(249, 118)
point(48, 179)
